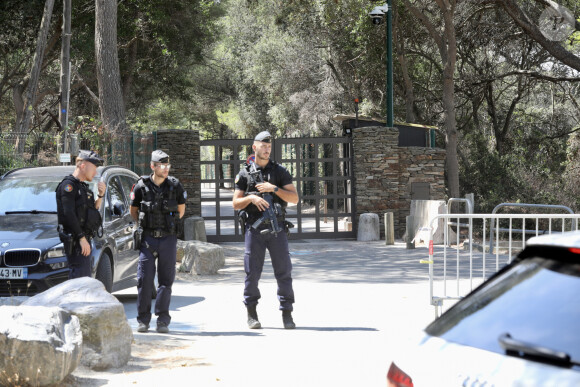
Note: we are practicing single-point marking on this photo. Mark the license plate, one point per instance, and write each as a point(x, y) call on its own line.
point(14, 273)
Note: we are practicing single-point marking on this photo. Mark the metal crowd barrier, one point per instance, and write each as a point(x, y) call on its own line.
point(465, 269)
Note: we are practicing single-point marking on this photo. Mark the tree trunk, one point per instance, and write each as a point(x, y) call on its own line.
point(448, 11)
point(23, 119)
point(447, 45)
point(108, 74)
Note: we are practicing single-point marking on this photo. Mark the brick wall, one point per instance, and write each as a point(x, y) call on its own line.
point(384, 173)
point(183, 147)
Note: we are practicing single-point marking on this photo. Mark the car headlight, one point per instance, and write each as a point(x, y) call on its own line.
point(56, 252)
point(53, 255)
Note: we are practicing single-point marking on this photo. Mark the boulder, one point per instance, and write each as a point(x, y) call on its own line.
point(39, 345)
point(107, 336)
point(200, 257)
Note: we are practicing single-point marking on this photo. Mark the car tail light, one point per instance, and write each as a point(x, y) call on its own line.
point(574, 250)
point(397, 378)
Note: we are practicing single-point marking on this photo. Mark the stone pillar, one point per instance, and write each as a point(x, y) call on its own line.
point(183, 147)
point(384, 173)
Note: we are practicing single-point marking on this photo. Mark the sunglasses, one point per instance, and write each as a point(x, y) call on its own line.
point(163, 166)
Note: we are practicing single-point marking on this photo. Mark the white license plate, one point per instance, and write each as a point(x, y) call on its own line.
point(14, 273)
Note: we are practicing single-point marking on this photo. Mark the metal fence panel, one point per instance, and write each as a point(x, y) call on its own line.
point(460, 265)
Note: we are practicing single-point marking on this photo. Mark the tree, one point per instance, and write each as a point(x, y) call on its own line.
point(445, 40)
point(108, 75)
point(24, 114)
point(523, 19)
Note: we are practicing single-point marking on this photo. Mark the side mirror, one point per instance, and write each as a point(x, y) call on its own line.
point(118, 209)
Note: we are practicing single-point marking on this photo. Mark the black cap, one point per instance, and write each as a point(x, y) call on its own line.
point(158, 156)
point(90, 156)
point(263, 136)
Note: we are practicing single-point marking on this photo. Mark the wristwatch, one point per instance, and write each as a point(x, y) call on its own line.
point(275, 189)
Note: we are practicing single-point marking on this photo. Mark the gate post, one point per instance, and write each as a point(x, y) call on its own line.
point(182, 146)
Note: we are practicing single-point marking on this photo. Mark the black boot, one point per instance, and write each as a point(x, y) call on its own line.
point(253, 322)
point(287, 319)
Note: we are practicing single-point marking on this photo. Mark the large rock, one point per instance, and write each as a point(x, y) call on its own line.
point(200, 257)
point(107, 336)
point(39, 345)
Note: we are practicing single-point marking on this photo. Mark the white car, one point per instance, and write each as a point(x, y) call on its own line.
point(519, 328)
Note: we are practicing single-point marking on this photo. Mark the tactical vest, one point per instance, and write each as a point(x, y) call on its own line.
point(270, 177)
point(82, 206)
point(159, 208)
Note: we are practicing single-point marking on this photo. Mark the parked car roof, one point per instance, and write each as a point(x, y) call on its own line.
point(52, 170)
point(567, 239)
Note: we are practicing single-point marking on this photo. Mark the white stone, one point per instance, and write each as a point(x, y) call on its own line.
point(368, 227)
point(200, 257)
point(38, 344)
point(107, 336)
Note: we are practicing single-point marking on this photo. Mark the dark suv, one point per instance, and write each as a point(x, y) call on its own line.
point(31, 254)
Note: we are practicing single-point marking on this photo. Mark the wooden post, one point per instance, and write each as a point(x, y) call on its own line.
point(389, 229)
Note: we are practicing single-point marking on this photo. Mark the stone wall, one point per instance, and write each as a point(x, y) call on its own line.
point(384, 173)
point(183, 147)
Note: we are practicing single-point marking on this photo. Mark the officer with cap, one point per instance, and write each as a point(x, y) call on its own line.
point(248, 197)
point(78, 215)
point(157, 204)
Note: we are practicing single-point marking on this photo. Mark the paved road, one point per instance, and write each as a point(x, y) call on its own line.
point(357, 303)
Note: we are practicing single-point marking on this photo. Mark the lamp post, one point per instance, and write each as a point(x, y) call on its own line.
point(377, 15)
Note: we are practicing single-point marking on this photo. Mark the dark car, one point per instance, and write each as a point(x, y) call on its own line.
point(519, 328)
point(31, 254)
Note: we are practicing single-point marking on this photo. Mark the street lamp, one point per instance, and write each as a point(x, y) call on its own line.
point(377, 15)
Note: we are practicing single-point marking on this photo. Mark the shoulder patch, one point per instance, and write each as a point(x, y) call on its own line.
point(237, 178)
point(185, 194)
point(68, 188)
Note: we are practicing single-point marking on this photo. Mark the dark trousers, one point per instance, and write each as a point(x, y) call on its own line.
point(164, 250)
point(256, 245)
point(80, 265)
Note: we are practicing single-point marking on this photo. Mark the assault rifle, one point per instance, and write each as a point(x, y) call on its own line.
point(271, 213)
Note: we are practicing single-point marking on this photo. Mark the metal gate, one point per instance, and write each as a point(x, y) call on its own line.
point(321, 170)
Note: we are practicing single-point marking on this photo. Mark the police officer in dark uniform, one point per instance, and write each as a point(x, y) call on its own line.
point(248, 196)
point(78, 215)
point(157, 204)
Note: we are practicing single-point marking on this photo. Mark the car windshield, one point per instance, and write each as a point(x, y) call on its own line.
point(535, 301)
point(33, 193)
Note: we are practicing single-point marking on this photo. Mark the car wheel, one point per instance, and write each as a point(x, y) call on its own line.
point(105, 273)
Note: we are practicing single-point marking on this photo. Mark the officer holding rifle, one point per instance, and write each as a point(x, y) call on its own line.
point(263, 189)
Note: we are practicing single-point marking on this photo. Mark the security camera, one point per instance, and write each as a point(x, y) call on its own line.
point(378, 13)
